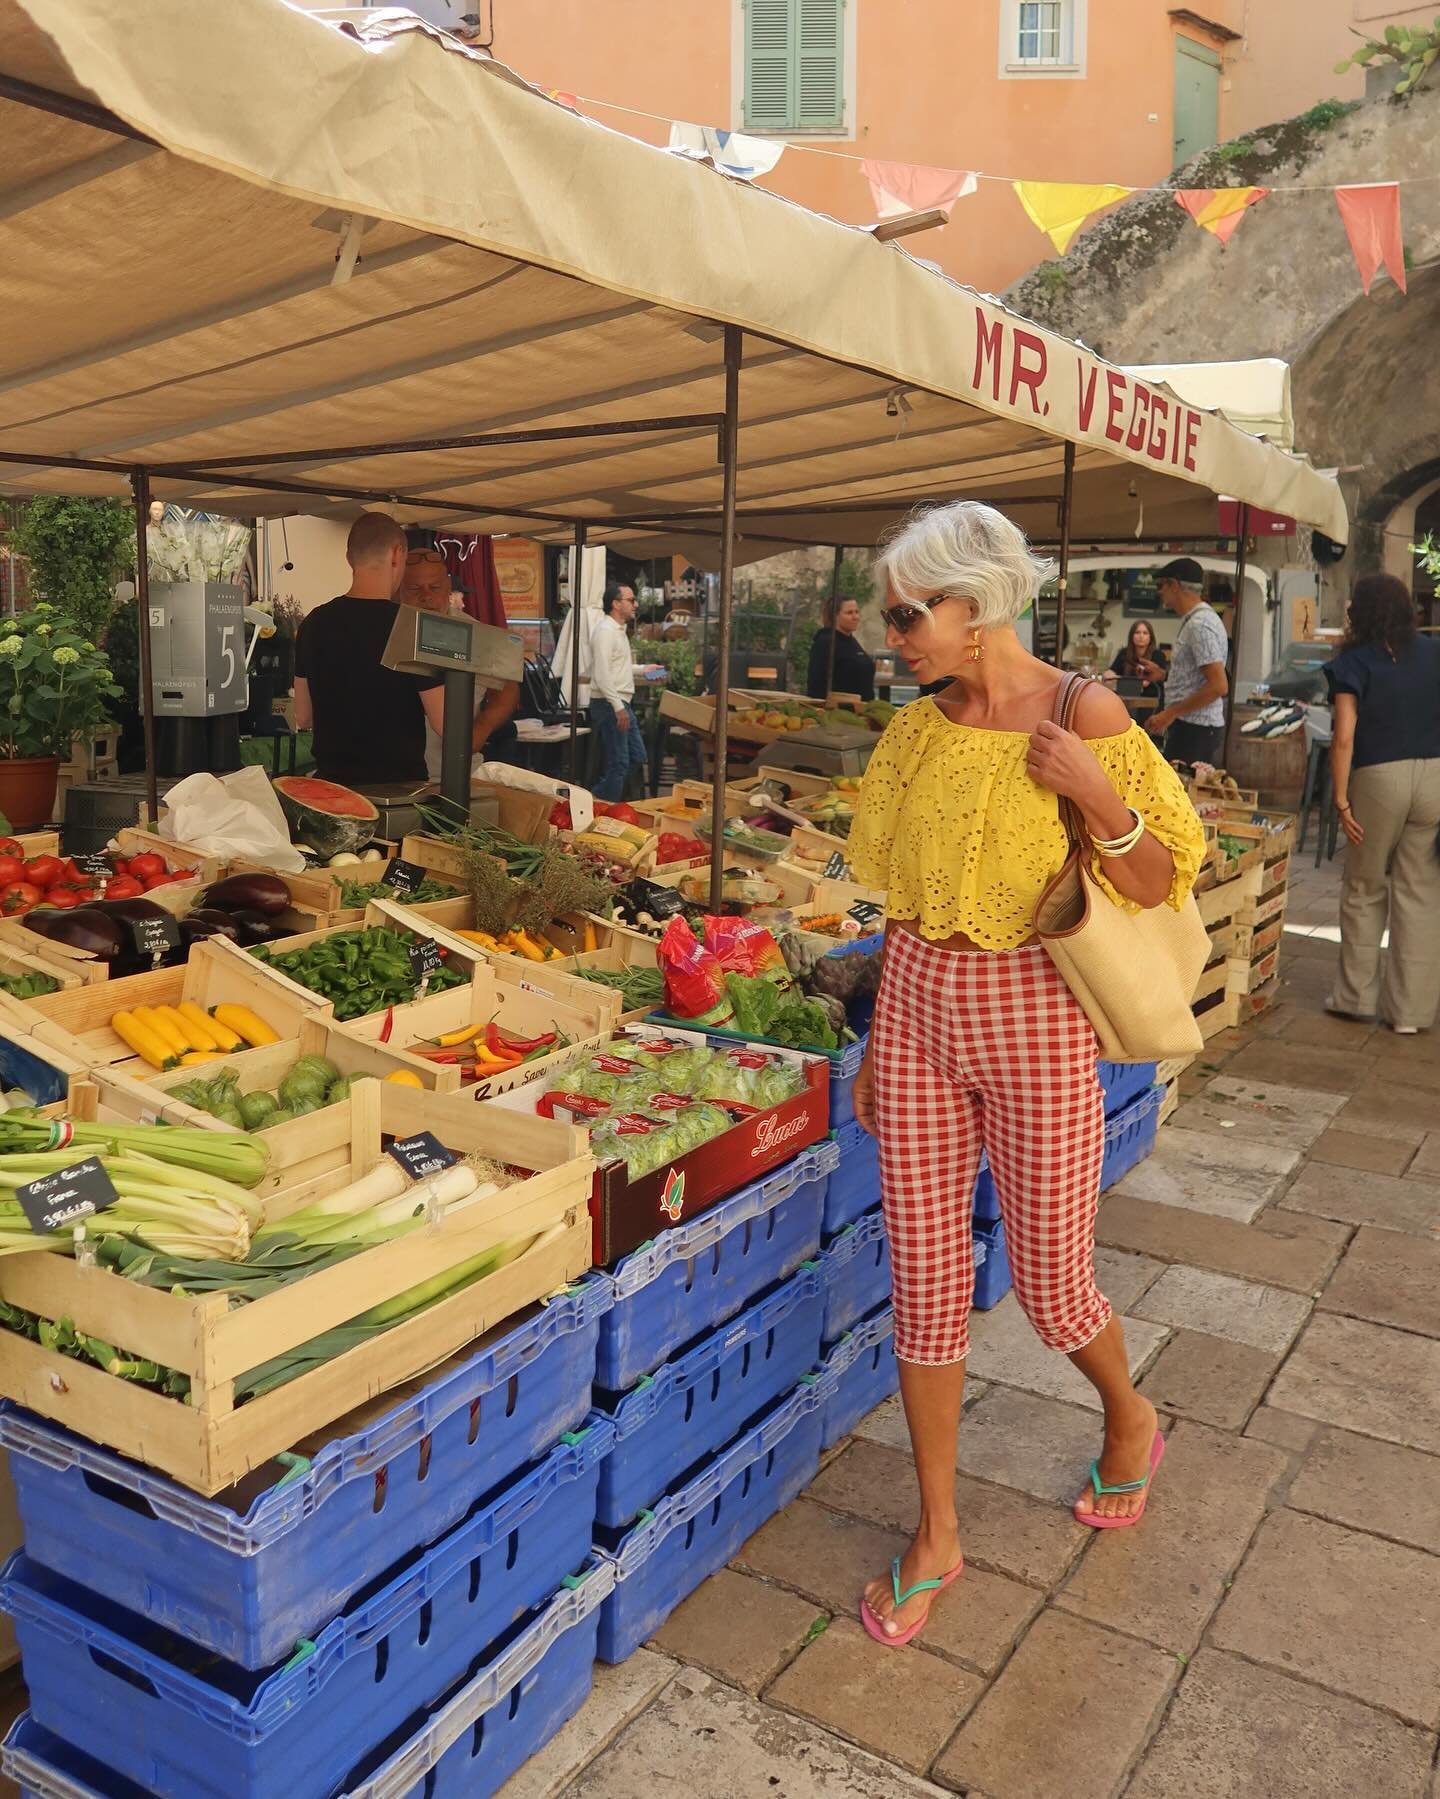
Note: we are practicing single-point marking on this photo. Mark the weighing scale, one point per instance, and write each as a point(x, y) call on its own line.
point(465, 652)
point(832, 751)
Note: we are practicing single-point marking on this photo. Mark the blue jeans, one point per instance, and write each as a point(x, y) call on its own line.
point(620, 751)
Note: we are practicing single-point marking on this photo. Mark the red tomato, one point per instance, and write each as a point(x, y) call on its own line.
point(120, 865)
point(124, 887)
point(11, 869)
point(18, 897)
point(44, 871)
point(146, 867)
point(12, 846)
point(65, 898)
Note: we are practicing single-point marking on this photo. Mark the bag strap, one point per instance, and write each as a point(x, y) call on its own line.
point(1067, 704)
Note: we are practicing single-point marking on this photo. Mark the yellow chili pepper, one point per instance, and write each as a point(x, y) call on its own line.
point(531, 951)
point(452, 1038)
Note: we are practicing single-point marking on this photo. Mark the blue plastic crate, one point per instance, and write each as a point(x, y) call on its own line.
point(855, 1184)
point(697, 1530)
point(1130, 1136)
point(855, 1269)
point(250, 1584)
point(992, 1266)
point(182, 1725)
point(1122, 1082)
point(691, 1406)
point(700, 1274)
point(466, 1748)
point(863, 1373)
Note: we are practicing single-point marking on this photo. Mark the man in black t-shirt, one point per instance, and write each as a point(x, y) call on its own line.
point(368, 720)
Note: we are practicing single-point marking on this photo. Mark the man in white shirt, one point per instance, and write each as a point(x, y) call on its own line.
point(612, 687)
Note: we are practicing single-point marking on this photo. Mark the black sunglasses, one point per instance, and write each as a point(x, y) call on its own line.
point(902, 618)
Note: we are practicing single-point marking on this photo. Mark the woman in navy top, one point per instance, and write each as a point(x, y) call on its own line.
point(1385, 762)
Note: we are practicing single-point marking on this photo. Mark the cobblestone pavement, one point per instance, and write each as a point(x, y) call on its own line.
point(1271, 1631)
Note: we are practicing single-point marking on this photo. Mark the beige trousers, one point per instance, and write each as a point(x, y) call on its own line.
point(1394, 874)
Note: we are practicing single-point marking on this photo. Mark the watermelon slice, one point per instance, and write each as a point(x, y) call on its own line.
point(334, 820)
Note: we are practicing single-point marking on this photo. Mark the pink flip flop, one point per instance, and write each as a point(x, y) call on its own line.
point(876, 1626)
point(1096, 1522)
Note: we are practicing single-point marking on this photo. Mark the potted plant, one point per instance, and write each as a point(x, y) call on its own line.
point(54, 686)
point(1396, 63)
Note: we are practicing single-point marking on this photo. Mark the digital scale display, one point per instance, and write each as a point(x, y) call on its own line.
point(446, 639)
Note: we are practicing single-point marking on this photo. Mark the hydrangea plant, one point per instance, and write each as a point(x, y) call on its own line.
point(55, 685)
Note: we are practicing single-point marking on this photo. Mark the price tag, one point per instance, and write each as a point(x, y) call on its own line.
point(865, 913)
point(421, 1155)
point(98, 865)
point(56, 1200)
point(837, 868)
point(426, 958)
point(154, 937)
point(403, 877)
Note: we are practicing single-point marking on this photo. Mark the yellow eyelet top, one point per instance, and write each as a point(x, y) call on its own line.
point(961, 838)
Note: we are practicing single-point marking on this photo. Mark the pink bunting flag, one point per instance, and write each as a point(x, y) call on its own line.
point(901, 187)
point(1372, 223)
point(1219, 210)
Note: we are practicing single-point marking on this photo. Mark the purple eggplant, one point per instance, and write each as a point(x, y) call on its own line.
point(84, 928)
point(248, 893)
point(130, 908)
point(255, 928)
point(221, 924)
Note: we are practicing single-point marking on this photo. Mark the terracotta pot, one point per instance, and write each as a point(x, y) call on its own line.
point(27, 790)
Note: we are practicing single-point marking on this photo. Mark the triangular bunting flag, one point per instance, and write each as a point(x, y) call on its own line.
point(1219, 209)
point(901, 187)
point(730, 151)
point(1060, 208)
point(561, 98)
point(1372, 223)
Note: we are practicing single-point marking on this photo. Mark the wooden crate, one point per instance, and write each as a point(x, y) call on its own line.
point(87, 969)
point(1226, 902)
point(1171, 1102)
point(1265, 907)
point(76, 1023)
point(1213, 980)
point(132, 841)
point(1220, 1012)
point(561, 979)
point(1204, 793)
point(1250, 942)
point(208, 1444)
point(1248, 976)
point(19, 960)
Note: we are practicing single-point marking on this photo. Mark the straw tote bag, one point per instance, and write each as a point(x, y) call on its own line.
point(1133, 972)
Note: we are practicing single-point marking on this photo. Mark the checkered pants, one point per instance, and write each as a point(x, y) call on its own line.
point(970, 1050)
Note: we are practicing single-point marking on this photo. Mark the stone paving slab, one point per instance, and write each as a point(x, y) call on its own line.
point(738, 1629)
point(1367, 1155)
point(1390, 1278)
point(1262, 1111)
point(893, 1701)
point(1387, 1108)
point(703, 1740)
point(1122, 1276)
point(1366, 1378)
point(1286, 1430)
point(1069, 1715)
point(1426, 1160)
point(1038, 1446)
point(1348, 1611)
point(1209, 1379)
point(1281, 1249)
point(1198, 1299)
point(1396, 1204)
point(1299, 1065)
point(1004, 1532)
point(886, 1424)
point(619, 1694)
point(1376, 1487)
point(1236, 1731)
point(1004, 1348)
point(1162, 1582)
point(1195, 1171)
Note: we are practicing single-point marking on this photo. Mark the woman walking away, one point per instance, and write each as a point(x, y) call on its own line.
point(976, 1040)
point(1385, 764)
point(1142, 659)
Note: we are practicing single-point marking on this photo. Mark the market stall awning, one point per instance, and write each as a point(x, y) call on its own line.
point(228, 234)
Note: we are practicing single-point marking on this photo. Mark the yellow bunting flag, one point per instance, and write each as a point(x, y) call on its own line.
point(1219, 209)
point(1060, 208)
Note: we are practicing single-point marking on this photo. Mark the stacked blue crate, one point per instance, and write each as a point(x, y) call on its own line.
point(193, 1650)
point(855, 1184)
point(860, 1374)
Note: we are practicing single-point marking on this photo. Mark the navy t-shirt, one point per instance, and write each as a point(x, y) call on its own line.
point(1397, 700)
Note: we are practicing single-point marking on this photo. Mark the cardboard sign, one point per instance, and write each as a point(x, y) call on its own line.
point(426, 958)
point(64, 1198)
point(422, 1155)
point(403, 877)
point(154, 937)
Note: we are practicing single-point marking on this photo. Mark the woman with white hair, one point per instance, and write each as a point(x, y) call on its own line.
point(976, 1041)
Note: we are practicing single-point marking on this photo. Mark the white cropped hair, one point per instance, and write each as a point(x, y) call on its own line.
point(965, 548)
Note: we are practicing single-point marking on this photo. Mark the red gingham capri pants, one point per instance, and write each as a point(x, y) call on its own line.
point(975, 1049)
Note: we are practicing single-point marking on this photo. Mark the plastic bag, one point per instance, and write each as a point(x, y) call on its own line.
point(743, 947)
point(694, 981)
point(235, 816)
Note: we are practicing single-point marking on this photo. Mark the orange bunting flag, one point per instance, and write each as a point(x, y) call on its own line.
point(561, 98)
point(1219, 209)
point(1060, 208)
point(1372, 223)
point(901, 187)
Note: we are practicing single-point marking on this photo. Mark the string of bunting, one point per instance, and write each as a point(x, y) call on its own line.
point(1369, 211)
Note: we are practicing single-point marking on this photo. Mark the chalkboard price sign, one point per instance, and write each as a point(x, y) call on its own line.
point(425, 958)
point(421, 1155)
point(865, 913)
point(837, 868)
point(97, 865)
point(403, 877)
point(64, 1198)
point(154, 937)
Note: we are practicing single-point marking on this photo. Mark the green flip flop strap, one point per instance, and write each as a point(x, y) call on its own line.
point(921, 1586)
point(1125, 1486)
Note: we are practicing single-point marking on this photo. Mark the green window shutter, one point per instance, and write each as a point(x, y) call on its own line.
point(819, 64)
point(768, 65)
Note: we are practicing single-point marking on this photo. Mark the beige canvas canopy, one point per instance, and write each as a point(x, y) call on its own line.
point(235, 233)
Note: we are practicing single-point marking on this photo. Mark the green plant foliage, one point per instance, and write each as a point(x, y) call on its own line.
point(1326, 113)
point(55, 685)
point(1427, 554)
point(1054, 277)
point(1416, 48)
point(77, 550)
point(679, 655)
point(1236, 151)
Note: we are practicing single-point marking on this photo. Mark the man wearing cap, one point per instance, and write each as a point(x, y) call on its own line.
point(1192, 720)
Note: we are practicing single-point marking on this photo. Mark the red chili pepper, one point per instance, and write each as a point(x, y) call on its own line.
point(499, 1043)
point(389, 1024)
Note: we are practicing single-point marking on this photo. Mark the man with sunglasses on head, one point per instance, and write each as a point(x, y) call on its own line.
point(1192, 720)
point(427, 585)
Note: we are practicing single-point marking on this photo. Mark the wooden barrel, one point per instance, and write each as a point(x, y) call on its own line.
point(1274, 765)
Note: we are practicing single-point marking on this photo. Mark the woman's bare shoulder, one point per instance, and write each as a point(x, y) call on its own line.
point(1100, 713)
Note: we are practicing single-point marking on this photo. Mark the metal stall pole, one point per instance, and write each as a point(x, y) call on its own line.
point(140, 487)
point(834, 607)
point(1242, 526)
point(1062, 583)
point(577, 556)
point(729, 456)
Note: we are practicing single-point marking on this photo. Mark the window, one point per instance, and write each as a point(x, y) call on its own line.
point(794, 62)
point(1042, 38)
